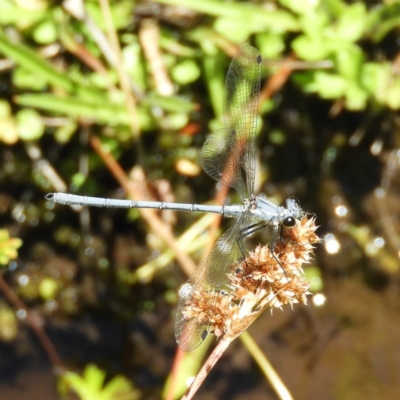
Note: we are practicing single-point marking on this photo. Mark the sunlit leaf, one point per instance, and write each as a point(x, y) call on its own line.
point(299, 6)
point(270, 45)
point(328, 85)
point(349, 61)
point(185, 72)
point(310, 48)
point(356, 97)
point(8, 247)
point(91, 386)
point(26, 79)
point(256, 16)
point(352, 22)
point(382, 19)
point(45, 32)
point(29, 124)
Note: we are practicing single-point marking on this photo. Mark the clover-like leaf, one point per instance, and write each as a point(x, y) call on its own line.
point(91, 386)
point(352, 23)
point(328, 85)
point(310, 48)
point(349, 61)
point(356, 97)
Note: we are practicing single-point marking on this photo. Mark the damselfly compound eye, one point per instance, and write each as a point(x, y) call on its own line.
point(289, 222)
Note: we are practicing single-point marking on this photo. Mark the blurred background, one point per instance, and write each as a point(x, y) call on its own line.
point(115, 99)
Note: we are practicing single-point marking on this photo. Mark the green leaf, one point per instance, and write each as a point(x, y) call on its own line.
point(101, 110)
point(78, 179)
point(48, 288)
point(356, 97)
point(314, 24)
point(94, 377)
point(186, 72)
point(349, 62)
point(64, 133)
point(29, 124)
point(5, 109)
point(256, 16)
point(11, 13)
point(313, 274)
point(215, 78)
point(32, 61)
point(134, 64)
point(119, 388)
point(120, 11)
point(299, 6)
point(270, 45)
point(382, 19)
point(372, 76)
point(8, 125)
point(393, 95)
point(380, 81)
point(8, 247)
point(91, 385)
point(352, 23)
point(328, 85)
point(8, 322)
point(237, 30)
point(310, 48)
point(45, 32)
point(25, 79)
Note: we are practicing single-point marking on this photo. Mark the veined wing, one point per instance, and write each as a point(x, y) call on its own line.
point(229, 154)
point(191, 329)
point(227, 252)
point(208, 282)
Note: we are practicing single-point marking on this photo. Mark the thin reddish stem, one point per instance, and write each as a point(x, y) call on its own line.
point(207, 367)
point(34, 324)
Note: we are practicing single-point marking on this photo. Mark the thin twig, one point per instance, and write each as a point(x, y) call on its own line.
point(35, 324)
point(207, 366)
point(149, 35)
point(149, 215)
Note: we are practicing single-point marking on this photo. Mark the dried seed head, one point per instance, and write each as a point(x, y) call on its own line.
point(257, 282)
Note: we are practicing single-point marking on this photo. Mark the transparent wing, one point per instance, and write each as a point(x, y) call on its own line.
point(227, 251)
point(209, 279)
point(189, 332)
point(218, 159)
point(228, 155)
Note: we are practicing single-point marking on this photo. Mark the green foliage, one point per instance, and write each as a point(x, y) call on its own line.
point(30, 125)
point(326, 35)
point(186, 72)
point(51, 78)
point(315, 31)
point(90, 386)
point(8, 247)
point(314, 275)
point(8, 323)
point(8, 125)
